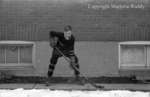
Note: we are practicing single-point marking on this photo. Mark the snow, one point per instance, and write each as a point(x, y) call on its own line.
point(61, 93)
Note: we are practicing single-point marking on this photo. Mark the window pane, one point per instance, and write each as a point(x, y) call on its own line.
point(25, 54)
point(2, 54)
point(11, 54)
point(133, 55)
point(148, 56)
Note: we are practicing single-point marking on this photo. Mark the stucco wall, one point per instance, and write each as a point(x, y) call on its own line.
point(95, 58)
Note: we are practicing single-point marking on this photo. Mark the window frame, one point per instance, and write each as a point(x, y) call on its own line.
point(146, 44)
point(18, 65)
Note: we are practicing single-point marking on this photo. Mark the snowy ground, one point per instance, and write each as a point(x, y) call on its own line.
point(60, 93)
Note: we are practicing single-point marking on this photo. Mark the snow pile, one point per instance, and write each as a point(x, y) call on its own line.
point(61, 93)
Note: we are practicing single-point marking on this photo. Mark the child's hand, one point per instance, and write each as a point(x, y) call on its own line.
point(53, 41)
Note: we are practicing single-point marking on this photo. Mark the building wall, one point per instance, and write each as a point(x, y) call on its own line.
point(95, 58)
point(97, 30)
point(33, 19)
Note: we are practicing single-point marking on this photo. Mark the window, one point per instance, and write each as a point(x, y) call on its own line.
point(134, 55)
point(17, 53)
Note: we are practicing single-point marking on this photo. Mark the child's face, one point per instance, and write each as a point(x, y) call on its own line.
point(67, 34)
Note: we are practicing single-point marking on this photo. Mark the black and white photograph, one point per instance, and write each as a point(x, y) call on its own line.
point(74, 48)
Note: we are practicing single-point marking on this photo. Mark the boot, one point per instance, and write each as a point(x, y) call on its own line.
point(49, 73)
point(49, 76)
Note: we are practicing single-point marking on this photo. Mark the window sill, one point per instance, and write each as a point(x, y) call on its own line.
point(16, 66)
point(134, 68)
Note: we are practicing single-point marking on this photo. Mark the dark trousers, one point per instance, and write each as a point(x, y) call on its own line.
point(73, 61)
